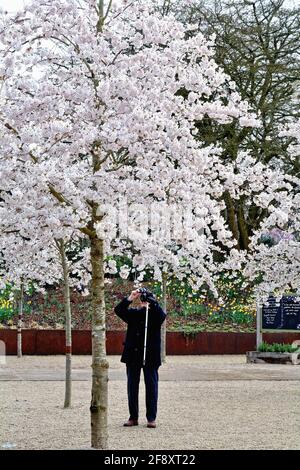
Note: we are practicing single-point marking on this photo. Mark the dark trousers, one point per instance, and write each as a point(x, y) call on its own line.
point(151, 384)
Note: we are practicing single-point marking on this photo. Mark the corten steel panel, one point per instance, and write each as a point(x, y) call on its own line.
point(210, 343)
point(114, 342)
point(9, 336)
point(53, 341)
point(280, 337)
point(81, 342)
point(29, 339)
point(10, 339)
point(175, 342)
point(50, 342)
point(245, 342)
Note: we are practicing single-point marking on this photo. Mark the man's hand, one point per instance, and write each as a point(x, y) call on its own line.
point(134, 295)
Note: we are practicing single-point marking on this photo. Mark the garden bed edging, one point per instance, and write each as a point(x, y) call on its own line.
point(259, 357)
point(43, 342)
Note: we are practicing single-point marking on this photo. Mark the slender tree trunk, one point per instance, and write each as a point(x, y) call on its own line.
point(68, 327)
point(20, 321)
point(244, 238)
point(99, 401)
point(164, 325)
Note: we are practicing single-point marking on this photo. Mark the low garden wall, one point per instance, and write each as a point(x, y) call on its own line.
point(53, 342)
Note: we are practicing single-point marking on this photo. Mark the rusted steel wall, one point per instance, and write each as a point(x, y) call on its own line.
point(53, 342)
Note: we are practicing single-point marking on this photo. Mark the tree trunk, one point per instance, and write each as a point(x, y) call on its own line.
point(68, 327)
point(244, 238)
point(20, 321)
point(99, 402)
point(164, 325)
point(231, 217)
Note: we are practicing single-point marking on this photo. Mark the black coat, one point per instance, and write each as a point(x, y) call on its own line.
point(134, 343)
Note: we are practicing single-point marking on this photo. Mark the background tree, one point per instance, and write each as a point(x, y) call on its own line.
point(257, 43)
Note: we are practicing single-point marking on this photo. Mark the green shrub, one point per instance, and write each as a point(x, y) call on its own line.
point(6, 304)
point(277, 347)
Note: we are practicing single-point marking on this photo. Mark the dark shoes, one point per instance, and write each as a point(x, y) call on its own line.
point(131, 422)
point(151, 424)
point(134, 422)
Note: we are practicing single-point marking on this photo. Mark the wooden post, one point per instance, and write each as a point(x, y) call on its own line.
point(258, 325)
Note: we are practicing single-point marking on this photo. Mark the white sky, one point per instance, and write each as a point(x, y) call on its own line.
point(13, 5)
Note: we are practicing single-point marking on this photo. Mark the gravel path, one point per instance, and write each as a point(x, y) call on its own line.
point(193, 414)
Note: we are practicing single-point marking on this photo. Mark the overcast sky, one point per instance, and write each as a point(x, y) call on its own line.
point(13, 5)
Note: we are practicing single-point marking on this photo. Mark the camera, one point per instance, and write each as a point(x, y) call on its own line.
point(146, 295)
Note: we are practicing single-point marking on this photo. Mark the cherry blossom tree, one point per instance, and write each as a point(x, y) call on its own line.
point(22, 262)
point(272, 262)
point(92, 110)
point(38, 254)
point(275, 256)
point(26, 262)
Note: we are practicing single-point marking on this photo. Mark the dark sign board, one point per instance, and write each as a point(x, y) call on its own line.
point(284, 315)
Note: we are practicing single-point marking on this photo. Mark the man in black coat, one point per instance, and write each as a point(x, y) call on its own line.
point(134, 351)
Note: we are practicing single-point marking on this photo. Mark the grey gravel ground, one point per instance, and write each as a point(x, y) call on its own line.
point(205, 402)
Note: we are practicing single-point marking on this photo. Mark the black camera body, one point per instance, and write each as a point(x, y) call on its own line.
point(146, 295)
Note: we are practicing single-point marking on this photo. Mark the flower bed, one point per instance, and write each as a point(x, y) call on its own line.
point(187, 312)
